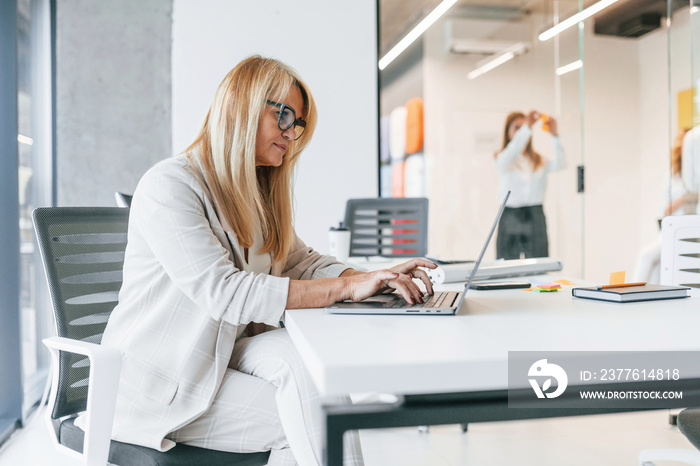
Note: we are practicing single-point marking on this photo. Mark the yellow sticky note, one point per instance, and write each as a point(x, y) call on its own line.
point(564, 281)
point(617, 278)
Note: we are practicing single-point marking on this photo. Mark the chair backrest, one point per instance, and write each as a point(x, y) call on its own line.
point(680, 251)
point(390, 227)
point(82, 249)
point(123, 200)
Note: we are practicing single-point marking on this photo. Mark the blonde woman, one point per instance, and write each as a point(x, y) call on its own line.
point(522, 171)
point(211, 264)
point(677, 200)
point(683, 199)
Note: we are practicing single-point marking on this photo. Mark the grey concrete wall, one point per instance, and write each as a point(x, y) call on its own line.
point(113, 95)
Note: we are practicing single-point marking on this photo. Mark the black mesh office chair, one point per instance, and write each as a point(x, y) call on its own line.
point(82, 249)
point(389, 227)
point(689, 425)
point(680, 259)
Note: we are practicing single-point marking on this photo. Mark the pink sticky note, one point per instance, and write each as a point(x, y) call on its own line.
point(549, 286)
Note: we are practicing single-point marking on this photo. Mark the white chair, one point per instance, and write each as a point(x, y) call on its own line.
point(680, 251)
point(680, 265)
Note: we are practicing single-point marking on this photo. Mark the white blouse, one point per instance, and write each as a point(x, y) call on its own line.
point(691, 161)
point(515, 173)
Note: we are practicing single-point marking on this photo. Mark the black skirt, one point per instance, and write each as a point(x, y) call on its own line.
point(522, 231)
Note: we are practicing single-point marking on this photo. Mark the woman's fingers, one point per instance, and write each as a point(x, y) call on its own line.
point(405, 285)
point(423, 276)
point(400, 278)
point(424, 263)
point(408, 266)
point(411, 270)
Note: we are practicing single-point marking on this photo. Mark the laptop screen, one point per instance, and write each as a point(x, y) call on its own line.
point(486, 244)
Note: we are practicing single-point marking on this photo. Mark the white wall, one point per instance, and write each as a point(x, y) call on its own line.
point(113, 105)
point(654, 140)
point(333, 47)
point(612, 154)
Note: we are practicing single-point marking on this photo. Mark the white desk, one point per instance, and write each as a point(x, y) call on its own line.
point(468, 352)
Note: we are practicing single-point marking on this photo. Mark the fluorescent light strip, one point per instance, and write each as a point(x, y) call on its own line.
point(570, 67)
point(25, 140)
point(415, 33)
point(488, 66)
point(578, 17)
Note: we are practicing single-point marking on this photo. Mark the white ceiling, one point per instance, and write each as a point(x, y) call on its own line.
point(397, 17)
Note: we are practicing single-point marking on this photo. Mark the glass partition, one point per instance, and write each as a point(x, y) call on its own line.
point(622, 85)
point(473, 68)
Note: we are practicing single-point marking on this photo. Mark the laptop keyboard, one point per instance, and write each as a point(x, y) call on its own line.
point(441, 299)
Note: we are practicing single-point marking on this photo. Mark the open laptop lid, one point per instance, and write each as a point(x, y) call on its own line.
point(483, 250)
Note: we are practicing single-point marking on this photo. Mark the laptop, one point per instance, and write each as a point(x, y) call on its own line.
point(441, 303)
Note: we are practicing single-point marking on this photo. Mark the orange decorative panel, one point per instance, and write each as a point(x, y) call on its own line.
point(414, 125)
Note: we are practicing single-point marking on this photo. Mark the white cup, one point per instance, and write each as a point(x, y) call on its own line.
point(339, 242)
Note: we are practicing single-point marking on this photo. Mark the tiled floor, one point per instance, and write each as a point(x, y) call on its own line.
point(587, 440)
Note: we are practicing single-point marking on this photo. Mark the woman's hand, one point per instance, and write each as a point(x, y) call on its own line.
point(363, 285)
point(411, 269)
point(400, 278)
point(532, 118)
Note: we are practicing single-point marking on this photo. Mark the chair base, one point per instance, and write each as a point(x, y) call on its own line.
point(125, 454)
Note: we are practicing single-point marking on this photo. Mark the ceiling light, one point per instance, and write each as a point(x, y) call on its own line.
point(578, 17)
point(486, 65)
point(415, 33)
point(570, 67)
point(491, 64)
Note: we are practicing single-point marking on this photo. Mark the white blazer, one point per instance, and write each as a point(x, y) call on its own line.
point(184, 294)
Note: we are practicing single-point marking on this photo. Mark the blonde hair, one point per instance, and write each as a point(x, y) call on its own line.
point(251, 197)
point(677, 152)
point(529, 152)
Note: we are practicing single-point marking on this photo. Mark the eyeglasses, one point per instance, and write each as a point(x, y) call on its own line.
point(288, 118)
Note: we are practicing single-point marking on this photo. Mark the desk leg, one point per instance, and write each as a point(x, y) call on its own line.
point(342, 418)
point(333, 451)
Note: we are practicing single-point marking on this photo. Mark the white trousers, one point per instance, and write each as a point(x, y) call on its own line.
point(267, 401)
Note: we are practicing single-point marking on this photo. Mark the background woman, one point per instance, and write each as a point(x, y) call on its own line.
point(521, 170)
point(212, 263)
point(682, 201)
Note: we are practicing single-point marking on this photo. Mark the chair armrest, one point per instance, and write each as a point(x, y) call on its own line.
point(105, 366)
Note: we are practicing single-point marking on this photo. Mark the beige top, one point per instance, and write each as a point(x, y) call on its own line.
point(257, 263)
